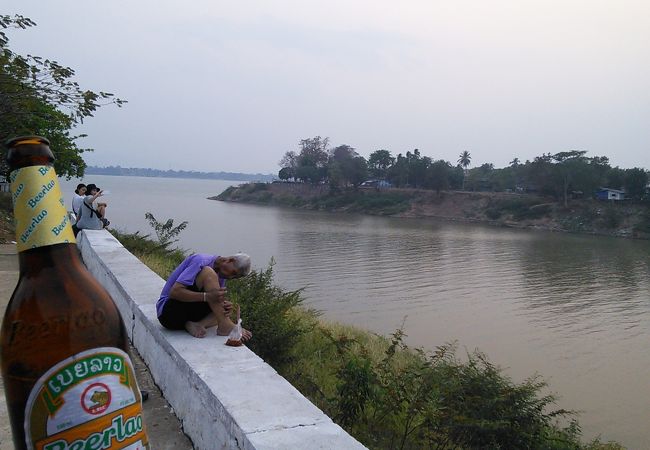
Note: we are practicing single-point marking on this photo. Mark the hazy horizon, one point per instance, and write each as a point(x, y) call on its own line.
point(232, 86)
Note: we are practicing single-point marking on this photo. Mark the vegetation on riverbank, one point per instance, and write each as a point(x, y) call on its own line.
point(385, 394)
point(625, 219)
point(562, 176)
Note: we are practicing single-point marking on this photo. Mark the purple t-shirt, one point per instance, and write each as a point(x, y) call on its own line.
point(185, 274)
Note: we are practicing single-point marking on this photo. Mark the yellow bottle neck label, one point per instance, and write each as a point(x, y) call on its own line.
point(39, 208)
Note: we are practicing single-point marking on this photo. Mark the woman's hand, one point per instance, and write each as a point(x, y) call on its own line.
point(216, 295)
point(227, 307)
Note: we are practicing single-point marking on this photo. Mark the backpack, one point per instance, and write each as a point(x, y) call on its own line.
point(105, 222)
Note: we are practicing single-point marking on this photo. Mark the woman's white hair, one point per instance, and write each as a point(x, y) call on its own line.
point(242, 263)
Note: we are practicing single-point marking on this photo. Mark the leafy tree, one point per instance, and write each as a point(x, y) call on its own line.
point(456, 177)
point(409, 170)
point(290, 159)
point(379, 162)
point(601, 167)
point(308, 174)
point(345, 166)
point(539, 175)
point(568, 164)
point(335, 176)
point(480, 178)
point(40, 97)
point(464, 160)
point(418, 168)
point(286, 173)
point(438, 175)
point(398, 172)
point(592, 175)
point(312, 159)
point(615, 178)
point(357, 171)
point(289, 166)
point(636, 181)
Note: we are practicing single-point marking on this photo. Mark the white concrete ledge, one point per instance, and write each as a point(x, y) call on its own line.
point(226, 397)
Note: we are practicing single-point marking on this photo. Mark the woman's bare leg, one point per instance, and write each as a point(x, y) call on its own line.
point(208, 281)
point(199, 329)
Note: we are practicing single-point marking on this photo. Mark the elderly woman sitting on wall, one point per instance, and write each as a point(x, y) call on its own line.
point(194, 297)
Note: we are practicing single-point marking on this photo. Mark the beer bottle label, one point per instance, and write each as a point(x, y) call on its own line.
point(88, 401)
point(39, 208)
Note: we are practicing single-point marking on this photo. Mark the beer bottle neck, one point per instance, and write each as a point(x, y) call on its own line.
point(39, 209)
point(59, 256)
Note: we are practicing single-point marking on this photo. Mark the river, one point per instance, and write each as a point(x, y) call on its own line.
point(573, 308)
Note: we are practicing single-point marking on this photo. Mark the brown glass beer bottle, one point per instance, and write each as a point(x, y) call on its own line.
point(68, 379)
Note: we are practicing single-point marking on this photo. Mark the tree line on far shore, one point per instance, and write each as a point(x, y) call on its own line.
point(561, 175)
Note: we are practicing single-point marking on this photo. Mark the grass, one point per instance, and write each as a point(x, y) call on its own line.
point(387, 395)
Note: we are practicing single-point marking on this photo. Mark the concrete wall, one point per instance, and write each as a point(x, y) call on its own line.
point(226, 397)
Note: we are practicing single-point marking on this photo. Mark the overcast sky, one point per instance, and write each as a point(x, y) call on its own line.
point(232, 85)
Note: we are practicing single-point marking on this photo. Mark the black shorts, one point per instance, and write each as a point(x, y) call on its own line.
point(176, 313)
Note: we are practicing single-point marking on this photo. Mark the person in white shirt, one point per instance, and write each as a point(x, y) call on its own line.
point(78, 199)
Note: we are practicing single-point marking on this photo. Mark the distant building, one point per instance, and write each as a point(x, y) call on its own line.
point(610, 194)
point(379, 184)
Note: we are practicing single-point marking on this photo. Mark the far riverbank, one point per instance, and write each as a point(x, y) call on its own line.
point(589, 216)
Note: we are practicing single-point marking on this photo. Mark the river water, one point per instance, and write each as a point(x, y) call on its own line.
point(575, 309)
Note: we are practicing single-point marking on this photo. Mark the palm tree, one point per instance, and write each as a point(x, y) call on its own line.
point(464, 160)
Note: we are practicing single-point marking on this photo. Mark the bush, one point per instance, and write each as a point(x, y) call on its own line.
point(436, 401)
point(166, 232)
point(267, 310)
